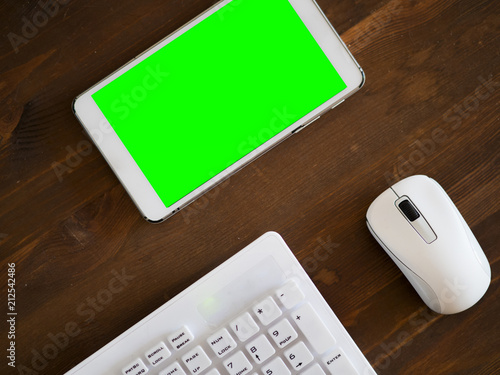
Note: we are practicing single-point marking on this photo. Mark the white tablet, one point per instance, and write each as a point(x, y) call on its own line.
point(214, 95)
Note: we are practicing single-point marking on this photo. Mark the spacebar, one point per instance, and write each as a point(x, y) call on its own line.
point(313, 328)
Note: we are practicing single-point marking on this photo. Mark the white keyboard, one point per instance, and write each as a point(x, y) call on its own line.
point(256, 314)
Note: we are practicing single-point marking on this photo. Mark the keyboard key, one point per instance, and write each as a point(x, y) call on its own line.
point(275, 367)
point(313, 328)
point(260, 349)
point(196, 360)
point(180, 338)
point(221, 343)
point(173, 369)
point(136, 367)
point(314, 370)
point(244, 327)
point(238, 364)
point(338, 363)
point(282, 333)
point(266, 310)
point(299, 356)
point(290, 294)
point(157, 354)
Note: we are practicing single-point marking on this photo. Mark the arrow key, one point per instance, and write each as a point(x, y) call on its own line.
point(299, 356)
point(260, 349)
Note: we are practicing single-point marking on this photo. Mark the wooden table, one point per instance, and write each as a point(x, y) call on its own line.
point(429, 106)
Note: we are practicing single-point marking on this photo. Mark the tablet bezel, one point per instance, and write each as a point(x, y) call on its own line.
point(126, 169)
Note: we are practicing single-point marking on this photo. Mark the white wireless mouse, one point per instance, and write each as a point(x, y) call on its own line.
point(420, 228)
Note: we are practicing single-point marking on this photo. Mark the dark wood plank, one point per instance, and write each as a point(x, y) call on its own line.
point(71, 230)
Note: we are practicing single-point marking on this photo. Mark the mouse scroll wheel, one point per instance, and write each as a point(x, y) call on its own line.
point(409, 210)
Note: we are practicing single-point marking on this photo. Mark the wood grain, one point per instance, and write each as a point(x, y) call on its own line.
point(424, 109)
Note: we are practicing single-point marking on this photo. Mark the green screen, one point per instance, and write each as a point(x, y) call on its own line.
point(215, 93)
